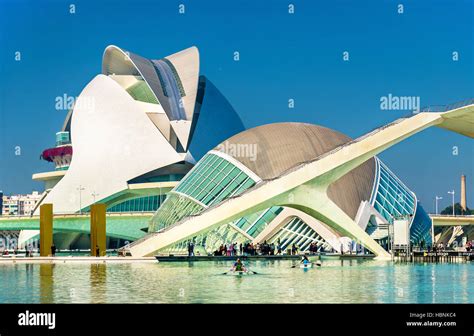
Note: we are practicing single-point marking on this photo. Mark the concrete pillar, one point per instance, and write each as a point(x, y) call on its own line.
point(98, 235)
point(46, 229)
point(463, 193)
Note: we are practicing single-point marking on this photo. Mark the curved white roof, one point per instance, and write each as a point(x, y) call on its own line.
point(173, 80)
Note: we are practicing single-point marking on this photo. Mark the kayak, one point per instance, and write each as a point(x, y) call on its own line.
point(238, 273)
point(308, 265)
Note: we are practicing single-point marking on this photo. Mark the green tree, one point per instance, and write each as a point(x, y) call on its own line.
point(457, 210)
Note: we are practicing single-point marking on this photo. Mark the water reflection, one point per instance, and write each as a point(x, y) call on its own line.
point(46, 283)
point(203, 282)
point(98, 282)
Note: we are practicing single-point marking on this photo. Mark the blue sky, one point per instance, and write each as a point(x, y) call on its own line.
point(282, 56)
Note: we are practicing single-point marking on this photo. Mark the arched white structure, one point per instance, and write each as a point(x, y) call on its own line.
point(114, 141)
point(331, 237)
point(305, 186)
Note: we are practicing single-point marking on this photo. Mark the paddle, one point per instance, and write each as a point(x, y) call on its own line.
point(231, 270)
point(318, 263)
point(294, 266)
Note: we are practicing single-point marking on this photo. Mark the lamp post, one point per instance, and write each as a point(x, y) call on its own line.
point(437, 199)
point(80, 189)
point(94, 194)
point(452, 193)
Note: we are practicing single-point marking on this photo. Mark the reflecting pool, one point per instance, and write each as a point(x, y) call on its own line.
point(203, 282)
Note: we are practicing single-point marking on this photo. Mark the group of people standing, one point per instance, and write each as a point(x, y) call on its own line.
point(468, 246)
point(28, 252)
point(250, 249)
point(230, 249)
point(313, 248)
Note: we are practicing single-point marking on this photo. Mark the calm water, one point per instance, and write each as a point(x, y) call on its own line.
point(202, 282)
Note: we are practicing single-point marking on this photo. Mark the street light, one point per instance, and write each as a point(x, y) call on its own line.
point(437, 199)
point(80, 188)
point(452, 193)
point(94, 194)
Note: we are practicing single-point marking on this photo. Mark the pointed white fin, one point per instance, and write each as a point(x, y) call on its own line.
point(182, 129)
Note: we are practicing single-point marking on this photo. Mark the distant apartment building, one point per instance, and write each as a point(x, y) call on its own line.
point(19, 204)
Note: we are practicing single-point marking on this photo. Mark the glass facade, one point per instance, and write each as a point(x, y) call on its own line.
point(420, 232)
point(212, 180)
point(139, 204)
point(208, 242)
point(392, 199)
point(62, 138)
point(175, 208)
point(252, 225)
point(256, 222)
point(299, 233)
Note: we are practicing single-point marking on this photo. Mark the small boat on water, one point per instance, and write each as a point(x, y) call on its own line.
point(307, 265)
point(239, 273)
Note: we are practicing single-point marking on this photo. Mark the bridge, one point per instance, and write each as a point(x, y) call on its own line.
point(450, 220)
point(121, 225)
point(449, 228)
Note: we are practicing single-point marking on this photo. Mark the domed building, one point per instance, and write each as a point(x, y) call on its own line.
point(370, 194)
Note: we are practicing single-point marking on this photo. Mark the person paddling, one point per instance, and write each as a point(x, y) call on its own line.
point(239, 266)
point(304, 260)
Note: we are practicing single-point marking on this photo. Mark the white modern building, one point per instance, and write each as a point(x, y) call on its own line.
point(135, 130)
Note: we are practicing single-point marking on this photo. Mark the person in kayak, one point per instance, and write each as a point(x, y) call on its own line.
point(304, 260)
point(239, 266)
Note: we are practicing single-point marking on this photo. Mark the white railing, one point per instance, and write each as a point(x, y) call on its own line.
point(451, 216)
point(449, 107)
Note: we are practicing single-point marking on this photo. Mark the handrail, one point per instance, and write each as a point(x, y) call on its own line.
point(448, 107)
point(451, 216)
